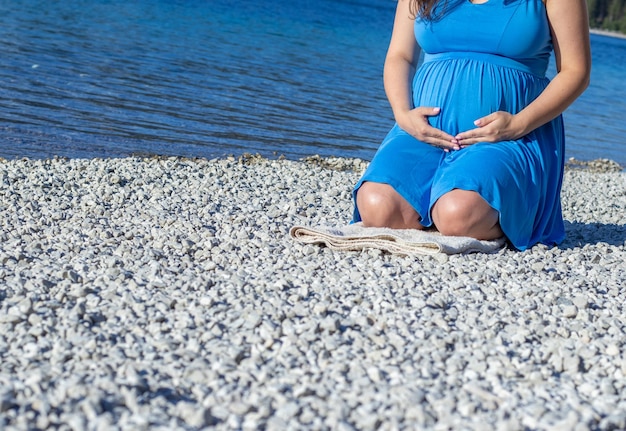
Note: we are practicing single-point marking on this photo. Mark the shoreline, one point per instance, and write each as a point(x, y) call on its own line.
point(596, 165)
point(167, 291)
point(599, 165)
point(608, 33)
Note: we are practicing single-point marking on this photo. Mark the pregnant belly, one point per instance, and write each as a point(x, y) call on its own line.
point(466, 90)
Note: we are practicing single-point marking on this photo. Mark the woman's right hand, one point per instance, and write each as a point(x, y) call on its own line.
point(415, 122)
point(400, 64)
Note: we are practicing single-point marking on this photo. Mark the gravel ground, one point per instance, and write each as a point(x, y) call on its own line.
point(165, 293)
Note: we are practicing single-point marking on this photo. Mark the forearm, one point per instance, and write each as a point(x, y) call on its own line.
point(570, 37)
point(400, 64)
point(558, 95)
point(398, 74)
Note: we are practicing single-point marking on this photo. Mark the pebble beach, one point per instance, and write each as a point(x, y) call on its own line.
point(165, 294)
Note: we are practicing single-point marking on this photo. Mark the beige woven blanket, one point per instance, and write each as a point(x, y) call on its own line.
point(397, 241)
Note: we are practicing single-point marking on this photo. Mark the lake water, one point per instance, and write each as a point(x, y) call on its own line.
point(111, 78)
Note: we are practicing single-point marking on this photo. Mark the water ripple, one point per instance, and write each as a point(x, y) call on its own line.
point(202, 78)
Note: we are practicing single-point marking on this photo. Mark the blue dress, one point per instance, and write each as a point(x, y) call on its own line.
point(478, 59)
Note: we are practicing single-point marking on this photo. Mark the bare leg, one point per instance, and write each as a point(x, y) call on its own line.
point(466, 213)
point(381, 206)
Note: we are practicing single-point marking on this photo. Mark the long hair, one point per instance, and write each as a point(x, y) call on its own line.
point(432, 10)
point(423, 9)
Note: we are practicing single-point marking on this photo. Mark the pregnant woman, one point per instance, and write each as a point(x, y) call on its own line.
point(478, 145)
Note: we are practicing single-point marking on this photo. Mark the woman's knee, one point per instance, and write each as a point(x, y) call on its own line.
point(375, 203)
point(381, 206)
point(450, 218)
point(464, 213)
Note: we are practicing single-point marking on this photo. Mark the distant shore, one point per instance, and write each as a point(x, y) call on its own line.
point(607, 33)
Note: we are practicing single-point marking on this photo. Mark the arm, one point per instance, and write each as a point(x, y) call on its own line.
point(570, 35)
point(400, 64)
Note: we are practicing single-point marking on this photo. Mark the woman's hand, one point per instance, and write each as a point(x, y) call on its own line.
point(495, 127)
point(400, 64)
point(415, 123)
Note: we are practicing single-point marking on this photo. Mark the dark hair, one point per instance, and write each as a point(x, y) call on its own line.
point(428, 10)
point(432, 10)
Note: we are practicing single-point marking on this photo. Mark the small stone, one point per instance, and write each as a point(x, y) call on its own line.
point(572, 363)
point(194, 415)
point(34, 319)
point(239, 408)
point(330, 324)
point(538, 266)
point(570, 311)
point(374, 374)
point(13, 316)
point(288, 411)
point(7, 401)
point(25, 306)
point(581, 302)
point(612, 350)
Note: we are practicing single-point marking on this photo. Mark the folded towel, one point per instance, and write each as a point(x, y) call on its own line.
point(397, 241)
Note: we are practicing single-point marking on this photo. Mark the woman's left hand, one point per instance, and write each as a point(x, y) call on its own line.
point(495, 127)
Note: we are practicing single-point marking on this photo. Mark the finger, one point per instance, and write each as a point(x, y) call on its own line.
point(483, 121)
point(469, 134)
point(428, 111)
point(469, 142)
point(438, 135)
point(472, 137)
point(439, 139)
point(447, 144)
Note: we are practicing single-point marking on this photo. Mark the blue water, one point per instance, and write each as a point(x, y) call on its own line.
point(111, 78)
